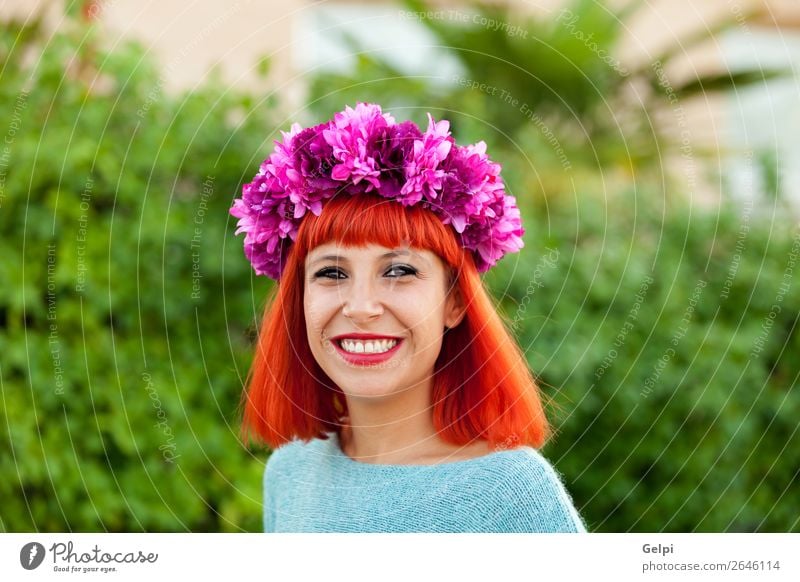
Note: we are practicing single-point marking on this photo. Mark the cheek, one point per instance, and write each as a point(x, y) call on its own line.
point(429, 314)
point(318, 310)
point(427, 323)
point(310, 314)
point(314, 327)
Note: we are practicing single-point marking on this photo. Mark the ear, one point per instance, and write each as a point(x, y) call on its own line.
point(455, 310)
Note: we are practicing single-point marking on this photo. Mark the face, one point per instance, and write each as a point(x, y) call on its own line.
point(375, 316)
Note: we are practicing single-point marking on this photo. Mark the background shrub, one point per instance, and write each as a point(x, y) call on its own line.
point(674, 396)
point(121, 370)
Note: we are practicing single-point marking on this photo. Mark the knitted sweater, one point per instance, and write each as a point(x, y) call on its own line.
point(315, 487)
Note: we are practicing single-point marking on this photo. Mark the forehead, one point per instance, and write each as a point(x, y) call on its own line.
point(334, 251)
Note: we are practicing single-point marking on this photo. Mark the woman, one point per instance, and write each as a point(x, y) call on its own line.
point(391, 392)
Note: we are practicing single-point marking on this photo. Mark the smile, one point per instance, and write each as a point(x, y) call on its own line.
point(366, 352)
point(367, 347)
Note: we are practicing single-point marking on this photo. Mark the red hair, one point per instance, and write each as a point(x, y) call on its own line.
point(482, 386)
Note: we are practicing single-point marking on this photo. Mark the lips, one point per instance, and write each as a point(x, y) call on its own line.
point(365, 359)
point(364, 337)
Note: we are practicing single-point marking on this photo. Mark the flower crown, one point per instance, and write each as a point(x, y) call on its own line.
point(363, 150)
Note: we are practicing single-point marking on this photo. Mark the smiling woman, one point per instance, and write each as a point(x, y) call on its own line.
point(386, 382)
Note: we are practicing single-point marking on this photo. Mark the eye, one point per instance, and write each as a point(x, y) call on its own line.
point(401, 270)
point(329, 273)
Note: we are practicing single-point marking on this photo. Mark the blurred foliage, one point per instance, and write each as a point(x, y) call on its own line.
point(121, 371)
point(668, 343)
point(538, 85)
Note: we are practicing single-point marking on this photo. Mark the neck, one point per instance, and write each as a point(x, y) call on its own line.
point(396, 429)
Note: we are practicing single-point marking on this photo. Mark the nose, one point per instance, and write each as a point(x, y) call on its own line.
point(361, 303)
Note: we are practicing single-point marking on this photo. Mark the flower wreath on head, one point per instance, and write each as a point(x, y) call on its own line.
point(363, 150)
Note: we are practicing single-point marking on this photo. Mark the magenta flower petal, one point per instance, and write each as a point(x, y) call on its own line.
point(362, 150)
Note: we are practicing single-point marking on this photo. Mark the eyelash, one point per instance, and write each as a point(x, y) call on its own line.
point(322, 273)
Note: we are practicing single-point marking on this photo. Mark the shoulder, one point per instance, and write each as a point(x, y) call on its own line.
point(531, 494)
point(528, 469)
point(286, 466)
point(291, 457)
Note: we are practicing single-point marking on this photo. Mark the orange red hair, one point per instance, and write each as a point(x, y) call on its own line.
point(482, 386)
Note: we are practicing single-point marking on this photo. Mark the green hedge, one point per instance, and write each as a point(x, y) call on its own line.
point(125, 321)
point(668, 345)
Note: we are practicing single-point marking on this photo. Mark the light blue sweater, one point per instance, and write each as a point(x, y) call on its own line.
point(315, 487)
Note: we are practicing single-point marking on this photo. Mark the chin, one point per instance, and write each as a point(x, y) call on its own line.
point(369, 393)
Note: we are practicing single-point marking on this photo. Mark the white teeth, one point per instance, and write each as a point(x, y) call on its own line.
point(370, 347)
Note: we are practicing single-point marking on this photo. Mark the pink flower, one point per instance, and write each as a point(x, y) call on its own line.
point(361, 150)
point(423, 175)
point(349, 135)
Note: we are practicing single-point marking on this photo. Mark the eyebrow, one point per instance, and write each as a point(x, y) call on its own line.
point(396, 253)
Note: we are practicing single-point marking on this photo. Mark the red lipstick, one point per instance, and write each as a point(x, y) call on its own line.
point(365, 359)
point(363, 336)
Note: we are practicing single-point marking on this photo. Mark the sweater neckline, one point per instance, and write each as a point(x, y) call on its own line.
point(336, 451)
